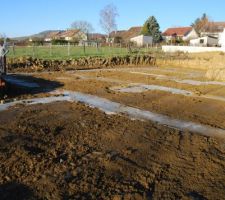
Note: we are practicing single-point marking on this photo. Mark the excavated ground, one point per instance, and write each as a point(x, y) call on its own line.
point(67, 150)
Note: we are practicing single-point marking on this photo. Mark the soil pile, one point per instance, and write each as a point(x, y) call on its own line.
point(30, 64)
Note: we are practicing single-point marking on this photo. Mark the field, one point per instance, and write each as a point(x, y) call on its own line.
point(66, 52)
point(124, 133)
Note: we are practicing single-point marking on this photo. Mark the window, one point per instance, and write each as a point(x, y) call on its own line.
point(201, 41)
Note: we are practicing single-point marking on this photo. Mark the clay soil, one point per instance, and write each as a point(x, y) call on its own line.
point(67, 150)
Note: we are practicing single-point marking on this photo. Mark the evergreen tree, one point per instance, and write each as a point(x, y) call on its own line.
point(151, 28)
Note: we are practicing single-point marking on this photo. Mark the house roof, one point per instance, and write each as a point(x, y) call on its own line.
point(96, 36)
point(117, 33)
point(127, 34)
point(68, 33)
point(215, 27)
point(219, 24)
point(179, 31)
point(53, 34)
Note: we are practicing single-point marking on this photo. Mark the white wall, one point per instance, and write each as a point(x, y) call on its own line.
point(192, 35)
point(142, 40)
point(222, 39)
point(207, 41)
point(212, 41)
point(191, 49)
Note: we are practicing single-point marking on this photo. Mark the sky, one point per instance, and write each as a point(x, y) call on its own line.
point(26, 17)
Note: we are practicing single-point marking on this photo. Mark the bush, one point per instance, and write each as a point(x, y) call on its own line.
point(59, 42)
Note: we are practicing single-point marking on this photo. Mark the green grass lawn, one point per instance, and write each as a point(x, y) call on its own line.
point(63, 52)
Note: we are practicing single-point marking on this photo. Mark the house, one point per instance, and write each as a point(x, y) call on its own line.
point(182, 33)
point(213, 29)
point(206, 41)
point(51, 36)
point(124, 35)
point(72, 35)
point(142, 40)
point(69, 35)
point(214, 32)
point(97, 37)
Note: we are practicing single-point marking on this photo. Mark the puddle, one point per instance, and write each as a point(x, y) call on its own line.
point(143, 88)
point(110, 107)
point(20, 82)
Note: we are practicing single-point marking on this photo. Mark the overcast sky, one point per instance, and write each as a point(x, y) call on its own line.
point(25, 17)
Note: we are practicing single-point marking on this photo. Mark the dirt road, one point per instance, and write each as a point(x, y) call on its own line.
point(67, 150)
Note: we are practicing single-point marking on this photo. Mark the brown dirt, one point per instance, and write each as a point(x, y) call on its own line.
point(70, 151)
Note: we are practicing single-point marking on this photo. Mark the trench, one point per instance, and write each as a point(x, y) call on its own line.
point(110, 107)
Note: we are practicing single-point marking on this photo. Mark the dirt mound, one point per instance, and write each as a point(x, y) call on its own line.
point(69, 151)
point(29, 64)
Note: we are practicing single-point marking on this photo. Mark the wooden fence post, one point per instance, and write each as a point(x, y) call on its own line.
point(68, 49)
point(84, 48)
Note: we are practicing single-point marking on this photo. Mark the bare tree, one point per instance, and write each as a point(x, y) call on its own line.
point(201, 24)
point(83, 26)
point(108, 19)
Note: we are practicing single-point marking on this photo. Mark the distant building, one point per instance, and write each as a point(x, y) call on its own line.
point(213, 29)
point(213, 35)
point(72, 35)
point(222, 39)
point(51, 36)
point(124, 36)
point(97, 37)
point(69, 35)
point(142, 40)
point(207, 41)
point(182, 33)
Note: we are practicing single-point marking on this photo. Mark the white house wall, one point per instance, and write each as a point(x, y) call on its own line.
point(142, 40)
point(212, 41)
point(222, 39)
point(192, 35)
point(207, 41)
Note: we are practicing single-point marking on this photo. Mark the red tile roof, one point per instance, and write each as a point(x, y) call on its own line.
point(180, 31)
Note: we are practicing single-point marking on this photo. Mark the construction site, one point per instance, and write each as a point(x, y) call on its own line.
point(123, 132)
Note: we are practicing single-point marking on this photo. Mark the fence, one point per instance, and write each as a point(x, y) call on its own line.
point(71, 51)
